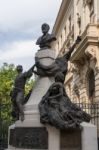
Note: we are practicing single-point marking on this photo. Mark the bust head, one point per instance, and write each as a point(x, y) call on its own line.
point(45, 28)
point(19, 68)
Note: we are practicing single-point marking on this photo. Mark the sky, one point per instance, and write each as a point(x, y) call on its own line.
point(20, 26)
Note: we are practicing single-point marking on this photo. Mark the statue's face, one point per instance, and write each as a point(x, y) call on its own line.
point(19, 68)
point(45, 28)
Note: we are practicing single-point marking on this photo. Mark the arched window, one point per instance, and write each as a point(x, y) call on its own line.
point(91, 84)
point(90, 4)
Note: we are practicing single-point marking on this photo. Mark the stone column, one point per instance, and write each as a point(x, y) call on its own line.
point(42, 84)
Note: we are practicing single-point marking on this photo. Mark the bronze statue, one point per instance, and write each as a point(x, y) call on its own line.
point(45, 40)
point(17, 94)
point(60, 64)
point(57, 109)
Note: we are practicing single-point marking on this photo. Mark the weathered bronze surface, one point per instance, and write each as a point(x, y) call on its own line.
point(17, 94)
point(60, 64)
point(29, 138)
point(55, 107)
point(46, 39)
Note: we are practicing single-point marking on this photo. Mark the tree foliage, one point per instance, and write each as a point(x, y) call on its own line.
point(7, 74)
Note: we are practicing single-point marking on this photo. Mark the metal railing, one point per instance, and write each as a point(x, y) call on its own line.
point(93, 110)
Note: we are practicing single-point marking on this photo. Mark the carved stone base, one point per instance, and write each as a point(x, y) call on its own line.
point(41, 137)
point(31, 135)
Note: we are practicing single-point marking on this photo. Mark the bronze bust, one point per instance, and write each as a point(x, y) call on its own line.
point(45, 40)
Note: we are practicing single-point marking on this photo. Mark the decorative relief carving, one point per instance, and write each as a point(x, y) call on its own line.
point(29, 138)
point(75, 68)
point(77, 65)
point(91, 53)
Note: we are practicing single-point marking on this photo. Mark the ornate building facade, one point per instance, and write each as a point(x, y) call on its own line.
point(80, 17)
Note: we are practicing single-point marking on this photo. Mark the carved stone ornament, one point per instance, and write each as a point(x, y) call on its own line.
point(75, 68)
point(91, 53)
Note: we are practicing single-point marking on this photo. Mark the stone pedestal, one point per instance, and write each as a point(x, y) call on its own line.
point(47, 57)
point(31, 130)
point(52, 138)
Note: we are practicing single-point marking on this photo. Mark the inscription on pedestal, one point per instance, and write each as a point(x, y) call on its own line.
point(29, 138)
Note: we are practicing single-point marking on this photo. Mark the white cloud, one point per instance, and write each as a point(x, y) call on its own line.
point(16, 14)
point(19, 20)
point(17, 50)
point(22, 52)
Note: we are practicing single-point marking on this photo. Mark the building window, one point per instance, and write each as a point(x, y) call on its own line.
point(79, 22)
point(58, 45)
point(65, 31)
point(91, 11)
point(90, 4)
point(61, 39)
point(91, 85)
point(72, 35)
point(70, 24)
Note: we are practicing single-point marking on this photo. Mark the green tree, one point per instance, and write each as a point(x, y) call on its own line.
point(7, 75)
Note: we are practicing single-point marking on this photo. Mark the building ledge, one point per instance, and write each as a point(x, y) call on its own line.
point(90, 37)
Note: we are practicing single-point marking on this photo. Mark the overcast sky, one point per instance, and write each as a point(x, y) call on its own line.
point(20, 22)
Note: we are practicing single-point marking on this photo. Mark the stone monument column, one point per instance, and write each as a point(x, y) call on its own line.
point(31, 126)
point(47, 58)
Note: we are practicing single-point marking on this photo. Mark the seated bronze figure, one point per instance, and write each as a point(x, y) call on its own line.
point(57, 109)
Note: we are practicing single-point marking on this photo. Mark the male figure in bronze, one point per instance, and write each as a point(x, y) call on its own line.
point(17, 94)
point(45, 40)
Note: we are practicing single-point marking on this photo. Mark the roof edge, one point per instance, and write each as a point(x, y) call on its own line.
point(59, 16)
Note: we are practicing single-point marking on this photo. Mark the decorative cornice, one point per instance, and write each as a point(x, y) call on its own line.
point(89, 37)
